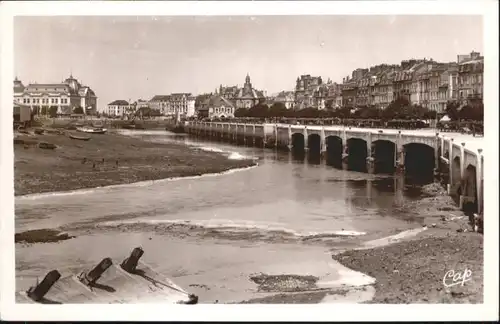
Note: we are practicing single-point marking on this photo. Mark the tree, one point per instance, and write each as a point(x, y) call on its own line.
point(329, 104)
point(472, 111)
point(308, 112)
point(278, 109)
point(259, 110)
point(416, 112)
point(53, 111)
point(452, 109)
point(44, 110)
point(344, 112)
point(154, 112)
point(241, 112)
point(78, 110)
point(431, 114)
point(399, 108)
point(367, 112)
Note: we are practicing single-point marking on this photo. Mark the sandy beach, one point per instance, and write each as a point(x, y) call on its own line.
point(104, 160)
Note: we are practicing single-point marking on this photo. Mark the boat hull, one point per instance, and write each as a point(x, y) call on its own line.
point(81, 138)
point(91, 130)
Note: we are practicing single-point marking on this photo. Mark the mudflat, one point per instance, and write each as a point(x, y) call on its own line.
point(413, 269)
point(107, 159)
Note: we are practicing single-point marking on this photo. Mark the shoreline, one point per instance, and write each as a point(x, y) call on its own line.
point(409, 267)
point(131, 184)
point(409, 270)
point(109, 160)
point(412, 269)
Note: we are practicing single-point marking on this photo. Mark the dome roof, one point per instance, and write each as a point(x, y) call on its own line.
point(18, 86)
point(73, 83)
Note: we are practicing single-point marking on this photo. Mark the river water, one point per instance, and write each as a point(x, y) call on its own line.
point(211, 233)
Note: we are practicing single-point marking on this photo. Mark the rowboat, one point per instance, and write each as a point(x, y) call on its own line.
point(81, 138)
point(92, 130)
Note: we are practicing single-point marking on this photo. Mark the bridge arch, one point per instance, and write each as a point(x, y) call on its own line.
point(334, 151)
point(384, 153)
point(419, 162)
point(469, 190)
point(298, 143)
point(314, 144)
point(358, 152)
point(456, 176)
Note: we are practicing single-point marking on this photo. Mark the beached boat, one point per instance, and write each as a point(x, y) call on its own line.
point(107, 283)
point(92, 130)
point(81, 138)
point(177, 129)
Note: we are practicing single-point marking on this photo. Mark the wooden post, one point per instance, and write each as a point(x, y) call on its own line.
point(93, 275)
point(37, 293)
point(130, 263)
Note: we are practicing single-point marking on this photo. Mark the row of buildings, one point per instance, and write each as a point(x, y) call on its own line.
point(68, 97)
point(423, 82)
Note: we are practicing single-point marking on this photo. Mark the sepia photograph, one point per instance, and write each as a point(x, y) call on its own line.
point(284, 159)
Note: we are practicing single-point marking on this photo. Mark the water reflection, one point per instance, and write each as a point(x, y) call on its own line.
point(295, 190)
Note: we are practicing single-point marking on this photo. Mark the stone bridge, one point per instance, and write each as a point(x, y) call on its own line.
point(458, 158)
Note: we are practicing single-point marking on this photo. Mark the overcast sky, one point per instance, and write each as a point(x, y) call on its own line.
point(138, 57)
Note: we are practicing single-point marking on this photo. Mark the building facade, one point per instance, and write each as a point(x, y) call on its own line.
point(66, 97)
point(423, 82)
point(287, 98)
point(470, 77)
point(245, 97)
point(216, 106)
point(119, 108)
point(175, 104)
point(181, 104)
point(309, 92)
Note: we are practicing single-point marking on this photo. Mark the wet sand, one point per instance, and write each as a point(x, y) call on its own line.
point(408, 271)
point(104, 160)
point(412, 270)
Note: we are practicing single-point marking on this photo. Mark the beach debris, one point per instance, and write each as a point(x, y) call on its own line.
point(93, 275)
point(108, 283)
point(130, 263)
point(116, 163)
point(37, 292)
point(84, 160)
point(93, 165)
point(47, 146)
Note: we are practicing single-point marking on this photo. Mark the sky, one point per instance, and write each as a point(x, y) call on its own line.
point(131, 57)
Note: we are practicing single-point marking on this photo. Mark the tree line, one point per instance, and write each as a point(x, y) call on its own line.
point(400, 108)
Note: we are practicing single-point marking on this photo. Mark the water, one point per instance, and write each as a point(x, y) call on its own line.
point(283, 216)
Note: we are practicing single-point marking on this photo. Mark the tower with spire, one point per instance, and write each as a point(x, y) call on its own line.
point(247, 87)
